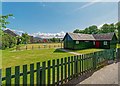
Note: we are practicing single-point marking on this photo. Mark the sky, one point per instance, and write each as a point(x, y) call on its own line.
point(53, 17)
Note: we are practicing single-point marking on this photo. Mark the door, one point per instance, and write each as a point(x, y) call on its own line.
point(97, 44)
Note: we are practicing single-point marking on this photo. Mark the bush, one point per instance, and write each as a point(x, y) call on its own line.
point(8, 41)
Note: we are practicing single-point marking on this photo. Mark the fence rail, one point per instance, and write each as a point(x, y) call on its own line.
point(32, 47)
point(58, 71)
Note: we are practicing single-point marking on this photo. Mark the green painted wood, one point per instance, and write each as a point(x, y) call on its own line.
point(40, 76)
point(0, 77)
point(86, 63)
point(90, 62)
point(68, 68)
point(61, 70)
point(57, 71)
point(17, 75)
point(43, 73)
point(53, 72)
point(80, 65)
point(94, 67)
point(65, 69)
point(38, 73)
point(8, 76)
point(71, 66)
point(31, 74)
point(24, 75)
point(49, 76)
point(75, 66)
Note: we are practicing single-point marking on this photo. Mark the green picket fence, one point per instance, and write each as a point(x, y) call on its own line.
point(57, 71)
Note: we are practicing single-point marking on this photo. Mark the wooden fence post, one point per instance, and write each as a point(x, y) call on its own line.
point(53, 72)
point(68, 68)
point(49, 46)
point(24, 75)
point(118, 54)
point(0, 77)
point(17, 75)
point(32, 47)
point(39, 46)
point(80, 64)
point(82, 71)
point(65, 69)
point(94, 60)
point(38, 74)
point(57, 71)
point(8, 76)
point(61, 71)
point(49, 73)
point(31, 74)
point(43, 73)
point(26, 47)
point(75, 66)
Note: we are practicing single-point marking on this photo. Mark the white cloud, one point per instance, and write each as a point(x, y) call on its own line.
point(89, 4)
point(49, 35)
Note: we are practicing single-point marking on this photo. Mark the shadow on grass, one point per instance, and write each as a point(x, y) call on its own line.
point(58, 50)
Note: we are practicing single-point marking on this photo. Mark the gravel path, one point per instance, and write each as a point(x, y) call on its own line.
point(106, 75)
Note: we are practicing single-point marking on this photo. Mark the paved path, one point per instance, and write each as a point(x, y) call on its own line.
point(65, 50)
point(106, 75)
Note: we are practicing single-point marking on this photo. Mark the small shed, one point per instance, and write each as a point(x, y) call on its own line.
point(84, 41)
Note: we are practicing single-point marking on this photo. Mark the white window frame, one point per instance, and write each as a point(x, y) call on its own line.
point(105, 43)
point(94, 43)
point(77, 42)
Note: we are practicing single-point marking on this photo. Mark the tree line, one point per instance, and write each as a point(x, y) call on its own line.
point(105, 28)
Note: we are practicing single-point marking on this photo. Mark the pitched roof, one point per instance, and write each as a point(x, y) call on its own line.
point(78, 36)
point(10, 32)
point(107, 36)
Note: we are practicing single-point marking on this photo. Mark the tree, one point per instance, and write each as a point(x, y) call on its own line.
point(107, 28)
point(118, 28)
point(3, 20)
point(76, 31)
point(8, 41)
point(25, 38)
point(91, 30)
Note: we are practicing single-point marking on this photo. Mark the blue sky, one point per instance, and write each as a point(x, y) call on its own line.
point(52, 17)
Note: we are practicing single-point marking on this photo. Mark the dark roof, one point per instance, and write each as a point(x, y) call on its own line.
point(78, 36)
point(10, 32)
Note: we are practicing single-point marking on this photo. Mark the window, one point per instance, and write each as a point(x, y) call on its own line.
point(77, 42)
point(105, 42)
point(94, 43)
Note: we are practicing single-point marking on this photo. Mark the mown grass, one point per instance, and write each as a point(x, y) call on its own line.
point(14, 58)
point(86, 51)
